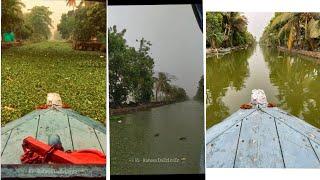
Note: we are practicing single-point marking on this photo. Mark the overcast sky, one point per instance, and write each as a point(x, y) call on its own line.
point(257, 21)
point(175, 36)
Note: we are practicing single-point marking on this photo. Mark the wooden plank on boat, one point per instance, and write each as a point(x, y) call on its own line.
point(13, 149)
point(83, 136)
point(295, 123)
point(86, 120)
point(55, 122)
point(229, 122)
point(316, 148)
point(4, 139)
point(296, 148)
point(258, 144)
point(22, 120)
point(222, 149)
point(102, 140)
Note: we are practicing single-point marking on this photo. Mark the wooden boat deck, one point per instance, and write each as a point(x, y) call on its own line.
point(75, 131)
point(263, 138)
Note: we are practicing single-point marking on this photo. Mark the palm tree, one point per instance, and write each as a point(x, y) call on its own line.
point(11, 14)
point(162, 83)
point(293, 25)
point(233, 22)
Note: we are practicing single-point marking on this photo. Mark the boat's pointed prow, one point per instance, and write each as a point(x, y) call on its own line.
point(260, 135)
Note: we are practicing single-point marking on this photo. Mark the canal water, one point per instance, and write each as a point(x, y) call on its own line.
point(162, 140)
point(290, 81)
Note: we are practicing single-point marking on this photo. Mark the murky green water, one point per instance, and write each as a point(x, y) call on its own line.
point(171, 133)
point(292, 82)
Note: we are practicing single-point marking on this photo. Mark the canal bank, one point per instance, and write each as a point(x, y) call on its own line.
point(313, 54)
point(163, 140)
point(139, 107)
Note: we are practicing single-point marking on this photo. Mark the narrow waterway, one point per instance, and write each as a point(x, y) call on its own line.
point(163, 140)
point(292, 82)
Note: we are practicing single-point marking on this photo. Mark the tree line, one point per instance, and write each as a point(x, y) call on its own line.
point(86, 21)
point(34, 24)
point(131, 73)
point(293, 31)
point(227, 29)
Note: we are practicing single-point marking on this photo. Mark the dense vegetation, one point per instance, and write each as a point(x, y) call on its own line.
point(131, 73)
point(200, 93)
point(293, 31)
point(31, 71)
point(34, 25)
point(84, 23)
point(227, 29)
point(164, 91)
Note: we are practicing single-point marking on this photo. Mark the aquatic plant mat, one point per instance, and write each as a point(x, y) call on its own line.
point(31, 71)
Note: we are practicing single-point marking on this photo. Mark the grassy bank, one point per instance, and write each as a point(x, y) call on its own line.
point(31, 71)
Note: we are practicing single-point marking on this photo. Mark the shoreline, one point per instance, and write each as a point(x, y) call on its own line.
point(312, 54)
point(140, 107)
point(222, 51)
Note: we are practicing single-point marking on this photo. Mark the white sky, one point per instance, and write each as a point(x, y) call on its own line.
point(257, 21)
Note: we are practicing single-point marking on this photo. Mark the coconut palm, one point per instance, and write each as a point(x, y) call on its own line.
point(296, 28)
point(162, 83)
point(233, 22)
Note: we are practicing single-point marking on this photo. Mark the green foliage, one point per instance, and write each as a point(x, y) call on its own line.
point(11, 15)
point(130, 70)
point(66, 26)
point(90, 21)
point(177, 94)
point(38, 19)
point(31, 71)
point(214, 29)
point(293, 30)
point(171, 92)
point(84, 23)
point(227, 29)
point(200, 91)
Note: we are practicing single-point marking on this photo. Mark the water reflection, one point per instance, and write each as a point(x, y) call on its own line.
point(230, 70)
point(298, 83)
point(292, 82)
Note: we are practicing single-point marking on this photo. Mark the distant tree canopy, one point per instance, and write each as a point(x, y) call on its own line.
point(67, 24)
point(293, 30)
point(227, 29)
point(33, 25)
point(39, 21)
point(84, 23)
point(200, 92)
point(170, 92)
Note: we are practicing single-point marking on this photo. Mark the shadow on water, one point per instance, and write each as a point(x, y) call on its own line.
point(292, 82)
point(144, 142)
